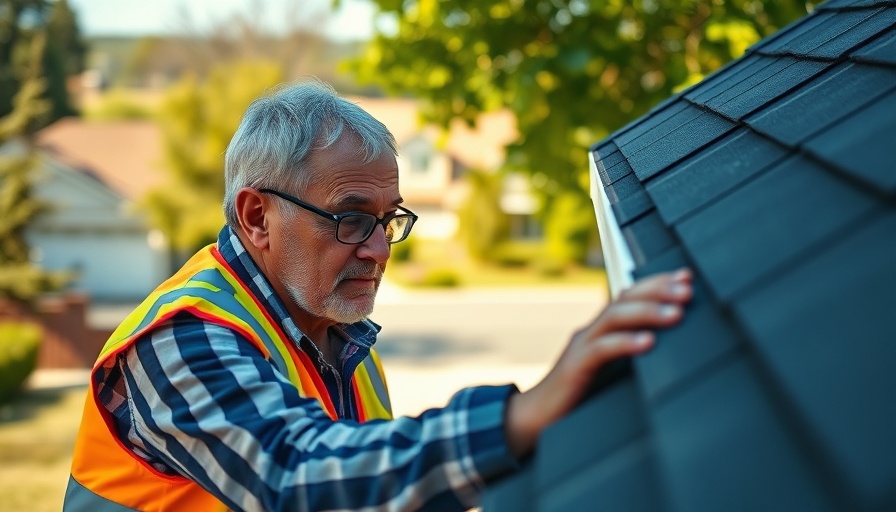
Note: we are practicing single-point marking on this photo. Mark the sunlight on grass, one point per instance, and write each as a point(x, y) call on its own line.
point(37, 434)
point(435, 262)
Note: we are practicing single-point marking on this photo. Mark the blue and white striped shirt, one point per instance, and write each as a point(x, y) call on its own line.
point(199, 400)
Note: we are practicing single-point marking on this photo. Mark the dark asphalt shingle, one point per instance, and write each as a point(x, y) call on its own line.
point(828, 335)
point(863, 144)
point(768, 221)
point(722, 446)
point(880, 51)
point(823, 101)
point(711, 173)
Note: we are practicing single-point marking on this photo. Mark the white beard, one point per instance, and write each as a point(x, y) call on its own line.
point(332, 306)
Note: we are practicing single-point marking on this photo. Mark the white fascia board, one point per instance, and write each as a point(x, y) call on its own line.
point(617, 257)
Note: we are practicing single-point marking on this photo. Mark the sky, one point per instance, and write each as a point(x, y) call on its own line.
point(354, 19)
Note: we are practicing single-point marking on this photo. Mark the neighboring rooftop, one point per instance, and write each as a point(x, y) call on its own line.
point(126, 156)
point(774, 180)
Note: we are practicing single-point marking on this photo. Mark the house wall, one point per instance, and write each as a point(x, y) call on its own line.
point(110, 266)
point(97, 233)
point(424, 172)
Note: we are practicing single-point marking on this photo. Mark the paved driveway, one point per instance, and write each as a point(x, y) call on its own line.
point(435, 342)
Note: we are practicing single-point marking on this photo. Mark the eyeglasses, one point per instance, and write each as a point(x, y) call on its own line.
point(356, 227)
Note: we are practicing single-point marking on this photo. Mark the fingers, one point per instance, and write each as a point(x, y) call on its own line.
point(666, 287)
point(654, 302)
point(619, 344)
point(634, 315)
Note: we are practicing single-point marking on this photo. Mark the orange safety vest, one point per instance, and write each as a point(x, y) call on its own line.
point(106, 476)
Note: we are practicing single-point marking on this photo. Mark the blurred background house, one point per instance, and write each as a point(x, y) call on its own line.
point(94, 174)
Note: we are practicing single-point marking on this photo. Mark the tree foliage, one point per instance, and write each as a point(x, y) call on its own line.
point(20, 278)
point(62, 52)
point(571, 70)
point(569, 229)
point(483, 226)
point(198, 119)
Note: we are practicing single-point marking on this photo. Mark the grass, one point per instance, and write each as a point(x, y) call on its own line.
point(432, 259)
point(37, 435)
point(415, 274)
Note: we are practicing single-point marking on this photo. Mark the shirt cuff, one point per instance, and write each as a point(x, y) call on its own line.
point(485, 445)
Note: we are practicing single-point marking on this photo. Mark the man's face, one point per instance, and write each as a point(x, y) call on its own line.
point(324, 278)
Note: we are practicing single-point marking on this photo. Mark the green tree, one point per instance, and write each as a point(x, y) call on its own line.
point(21, 21)
point(63, 58)
point(20, 279)
point(483, 226)
point(571, 71)
point(198, 119)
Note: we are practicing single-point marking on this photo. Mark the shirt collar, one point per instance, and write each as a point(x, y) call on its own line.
point(361, 333)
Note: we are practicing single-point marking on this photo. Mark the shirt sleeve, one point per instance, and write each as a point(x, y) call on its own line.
point(205, 402)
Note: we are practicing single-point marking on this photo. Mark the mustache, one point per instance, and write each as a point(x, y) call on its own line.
point(361, 270)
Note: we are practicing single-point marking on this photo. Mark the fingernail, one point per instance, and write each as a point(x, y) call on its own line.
point(669, 311)
point(642, 338)
point(681, 274)
point(679, 289)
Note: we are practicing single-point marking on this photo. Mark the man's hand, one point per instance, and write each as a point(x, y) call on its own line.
point(620, 330)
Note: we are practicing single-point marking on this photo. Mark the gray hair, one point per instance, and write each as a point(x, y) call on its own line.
point(280, 130)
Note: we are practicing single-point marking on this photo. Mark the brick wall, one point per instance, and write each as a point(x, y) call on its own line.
point(68, 342)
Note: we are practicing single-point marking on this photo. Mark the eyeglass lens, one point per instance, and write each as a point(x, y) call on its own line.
point(354, 229)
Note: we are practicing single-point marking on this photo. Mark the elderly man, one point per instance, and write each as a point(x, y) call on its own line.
point(248, 380)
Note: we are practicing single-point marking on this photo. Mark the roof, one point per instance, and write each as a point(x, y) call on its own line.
point(126, 156)
point(480, 147)
point(774, 180)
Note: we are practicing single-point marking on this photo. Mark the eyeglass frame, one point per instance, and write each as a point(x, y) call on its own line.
point(337, 217)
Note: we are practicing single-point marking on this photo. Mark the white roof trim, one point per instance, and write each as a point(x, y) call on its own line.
point(617, 257)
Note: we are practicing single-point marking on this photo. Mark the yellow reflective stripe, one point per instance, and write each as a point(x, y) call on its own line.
point(372, 388)
point(270, 332)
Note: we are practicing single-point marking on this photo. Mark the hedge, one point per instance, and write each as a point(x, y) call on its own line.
point(19, 343)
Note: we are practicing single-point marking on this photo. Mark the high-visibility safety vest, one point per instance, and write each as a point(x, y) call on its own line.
point(106, 476)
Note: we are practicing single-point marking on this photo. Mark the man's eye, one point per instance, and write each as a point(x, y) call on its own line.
point(355, 221)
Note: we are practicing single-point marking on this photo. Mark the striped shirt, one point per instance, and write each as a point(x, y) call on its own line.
point(199, 400)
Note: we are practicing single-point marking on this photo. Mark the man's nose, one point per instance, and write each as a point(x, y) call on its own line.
point(376, 247)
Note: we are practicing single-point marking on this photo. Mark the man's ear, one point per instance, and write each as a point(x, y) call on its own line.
point(252, 209)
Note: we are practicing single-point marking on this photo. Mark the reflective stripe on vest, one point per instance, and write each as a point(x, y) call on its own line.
point(107, 476)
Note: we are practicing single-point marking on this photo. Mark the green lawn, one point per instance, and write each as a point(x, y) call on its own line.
point(472, 275)
point(445, 259)
point(37, 434)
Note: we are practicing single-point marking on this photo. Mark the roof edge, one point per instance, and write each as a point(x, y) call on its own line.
point(618, 259)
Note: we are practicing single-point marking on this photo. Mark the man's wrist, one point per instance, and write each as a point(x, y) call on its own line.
point(523, 424)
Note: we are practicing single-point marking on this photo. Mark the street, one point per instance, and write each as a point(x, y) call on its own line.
point(435, 342)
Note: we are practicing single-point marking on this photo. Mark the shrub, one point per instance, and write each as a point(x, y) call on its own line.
point(19, 343)
point(516, 253)
point(440, 277)
point(569, 228)
point(483, 225)
point(403, 251)
point(117, 105)
point(550, 267)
